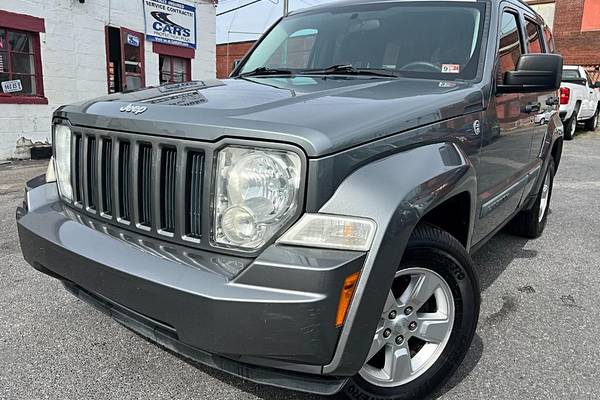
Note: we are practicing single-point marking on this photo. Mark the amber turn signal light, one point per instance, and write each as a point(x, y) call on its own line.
point(346, 298)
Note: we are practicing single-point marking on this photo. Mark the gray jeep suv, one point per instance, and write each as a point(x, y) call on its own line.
point(309, 223)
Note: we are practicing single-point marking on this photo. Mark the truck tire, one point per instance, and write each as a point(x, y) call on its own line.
point(592, 123)
point(571, 126)
point(531, 223)
point(428, 322)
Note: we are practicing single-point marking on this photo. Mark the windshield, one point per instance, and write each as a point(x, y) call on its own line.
point(423, 40)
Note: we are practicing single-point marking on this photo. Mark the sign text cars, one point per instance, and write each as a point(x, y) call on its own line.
point(170, 22)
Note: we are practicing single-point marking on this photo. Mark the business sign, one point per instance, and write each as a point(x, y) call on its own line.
point(133, 40)
point(12, 86)
point(170, 22)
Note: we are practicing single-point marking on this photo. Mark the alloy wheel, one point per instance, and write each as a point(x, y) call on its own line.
point(414, 328)
point(545, 197)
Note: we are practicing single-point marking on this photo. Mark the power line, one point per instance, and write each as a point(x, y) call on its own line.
point(239, 7)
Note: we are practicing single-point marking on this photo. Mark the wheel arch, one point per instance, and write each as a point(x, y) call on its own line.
point(397, 202)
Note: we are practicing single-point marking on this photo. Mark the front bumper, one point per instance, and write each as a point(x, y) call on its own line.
point(269, 320)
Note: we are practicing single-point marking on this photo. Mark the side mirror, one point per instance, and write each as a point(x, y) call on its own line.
point(534, 73)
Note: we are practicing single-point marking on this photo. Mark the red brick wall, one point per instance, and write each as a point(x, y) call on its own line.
point(226, 57)
point(577, 47)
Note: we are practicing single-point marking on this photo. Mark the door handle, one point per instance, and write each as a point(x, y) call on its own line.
point(531, 108)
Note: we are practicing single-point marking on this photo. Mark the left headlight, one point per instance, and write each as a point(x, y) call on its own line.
point(257, 193)
point(62, 160)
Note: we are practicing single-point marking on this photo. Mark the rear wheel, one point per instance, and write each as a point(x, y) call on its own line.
point(592, 123)
point(571, 126)
point(427, 324)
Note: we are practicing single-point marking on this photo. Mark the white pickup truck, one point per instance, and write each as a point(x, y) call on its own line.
point(579, 100)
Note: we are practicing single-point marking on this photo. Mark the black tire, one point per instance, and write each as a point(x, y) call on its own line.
point(527, 223)
point(432, 248)
point(571, 126)
point(592, 123)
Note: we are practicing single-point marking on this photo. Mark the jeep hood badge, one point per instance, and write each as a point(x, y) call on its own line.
point(131, 108)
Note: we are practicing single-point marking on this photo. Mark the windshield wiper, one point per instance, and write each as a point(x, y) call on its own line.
point(267, 71)
point(348, 69)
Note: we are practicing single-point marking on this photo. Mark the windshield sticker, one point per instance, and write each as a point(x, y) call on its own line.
point(451, 68)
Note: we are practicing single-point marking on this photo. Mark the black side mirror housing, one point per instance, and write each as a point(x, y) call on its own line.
point(534, 73)
point(597, 85)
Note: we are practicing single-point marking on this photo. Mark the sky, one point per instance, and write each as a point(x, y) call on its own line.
point(250, 22)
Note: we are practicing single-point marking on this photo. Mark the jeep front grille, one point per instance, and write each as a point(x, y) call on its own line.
point(147, 184)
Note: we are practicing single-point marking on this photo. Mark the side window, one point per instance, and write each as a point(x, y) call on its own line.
point(549, 40)
point(533, 37)
point(510, 45)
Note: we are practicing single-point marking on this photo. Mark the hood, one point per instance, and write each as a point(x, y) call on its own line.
point(323, 115)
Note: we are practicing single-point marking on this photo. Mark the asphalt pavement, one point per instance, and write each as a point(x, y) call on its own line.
point(538, 337)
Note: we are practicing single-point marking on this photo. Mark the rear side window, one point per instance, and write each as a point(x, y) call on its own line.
point(510, 45)
point(533, 37)
point(570, 74)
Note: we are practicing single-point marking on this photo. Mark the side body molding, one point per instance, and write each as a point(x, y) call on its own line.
point(396, 192)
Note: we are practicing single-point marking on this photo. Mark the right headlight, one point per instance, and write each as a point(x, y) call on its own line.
point(62, 160)
point(257, 193)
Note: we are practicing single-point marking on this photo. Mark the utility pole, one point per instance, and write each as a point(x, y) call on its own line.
point(286, 7)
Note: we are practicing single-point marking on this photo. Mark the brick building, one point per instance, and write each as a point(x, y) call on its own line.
point(227, 54)
point(55, 52)
point(576, 26)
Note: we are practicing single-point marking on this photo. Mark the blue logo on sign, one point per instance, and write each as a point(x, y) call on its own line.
point(133, 40)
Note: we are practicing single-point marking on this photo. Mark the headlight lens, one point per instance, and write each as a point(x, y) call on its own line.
point(62, 157)
point(256, 195)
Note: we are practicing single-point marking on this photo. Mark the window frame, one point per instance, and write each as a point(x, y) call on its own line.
point(32, 26)
point(142, 56)
point(186, 53)
point(187, 74)
point(520, 29)
point(531, 20)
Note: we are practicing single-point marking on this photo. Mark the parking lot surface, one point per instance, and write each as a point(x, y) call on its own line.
point(538, 336)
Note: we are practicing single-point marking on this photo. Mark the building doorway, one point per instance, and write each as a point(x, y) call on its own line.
point(125, 59)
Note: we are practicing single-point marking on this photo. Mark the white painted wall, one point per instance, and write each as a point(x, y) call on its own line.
point(547, 12)
point(74, 57)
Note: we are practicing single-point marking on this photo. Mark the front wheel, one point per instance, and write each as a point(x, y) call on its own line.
point(427, 324)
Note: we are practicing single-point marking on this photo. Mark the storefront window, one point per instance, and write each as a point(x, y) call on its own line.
point(173, 69)
point(19, 60)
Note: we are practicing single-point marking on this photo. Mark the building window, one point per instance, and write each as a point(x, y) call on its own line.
point(20, 59)
point(591, 16)
point(174, 69)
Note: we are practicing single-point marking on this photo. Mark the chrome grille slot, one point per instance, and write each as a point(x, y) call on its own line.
point(144, 188)
point(78, 169)
point(91, 174)
point(195, 169)
point(107, 177)
point(168, 178)
point(123, 177)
